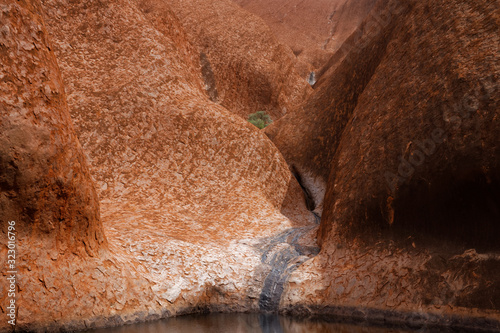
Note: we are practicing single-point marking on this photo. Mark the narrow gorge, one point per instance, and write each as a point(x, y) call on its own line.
point(133, 187)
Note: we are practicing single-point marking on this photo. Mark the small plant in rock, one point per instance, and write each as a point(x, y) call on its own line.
point(260, 119)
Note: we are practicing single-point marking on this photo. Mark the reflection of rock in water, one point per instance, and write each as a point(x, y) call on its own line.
point(245, 323)
point(312, 78)
point(283, 254)
point(270, 323)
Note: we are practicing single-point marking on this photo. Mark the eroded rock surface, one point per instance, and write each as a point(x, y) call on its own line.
point(62, 260)
point(187, 188)
point(403, 138)
point(314, 29)
point(308, 138)
point(199, 211)
point(251, 70)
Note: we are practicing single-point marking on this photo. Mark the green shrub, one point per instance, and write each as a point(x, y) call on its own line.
point(260, 119)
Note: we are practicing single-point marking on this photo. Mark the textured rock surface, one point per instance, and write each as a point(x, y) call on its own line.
point(404, 137)
point(435, 142)
point(308, 138)
point(314, 29)
point(252, 71)
point(187, 188)
point(199, 210)
point(63, 263)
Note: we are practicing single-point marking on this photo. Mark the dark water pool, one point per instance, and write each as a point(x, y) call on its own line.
point(244, 323)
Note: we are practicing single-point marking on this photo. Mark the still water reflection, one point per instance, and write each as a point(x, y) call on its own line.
point(243, 323)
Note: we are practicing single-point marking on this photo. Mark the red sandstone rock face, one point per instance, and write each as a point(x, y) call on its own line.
point(45, 179)
point(403, 135)
point(308, 137)
point(63, 265)
point(192, 198)
point(199, 208)
point(314, 29)
point(244, 65)
point(188, 188)
point(441, 117)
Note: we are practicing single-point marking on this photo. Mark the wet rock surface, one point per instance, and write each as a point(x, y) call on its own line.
point(309, 137)
point(184, 196)
point(283, 254)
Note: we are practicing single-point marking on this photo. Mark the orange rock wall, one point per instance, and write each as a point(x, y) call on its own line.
point(252, 70)
point(314, 29)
